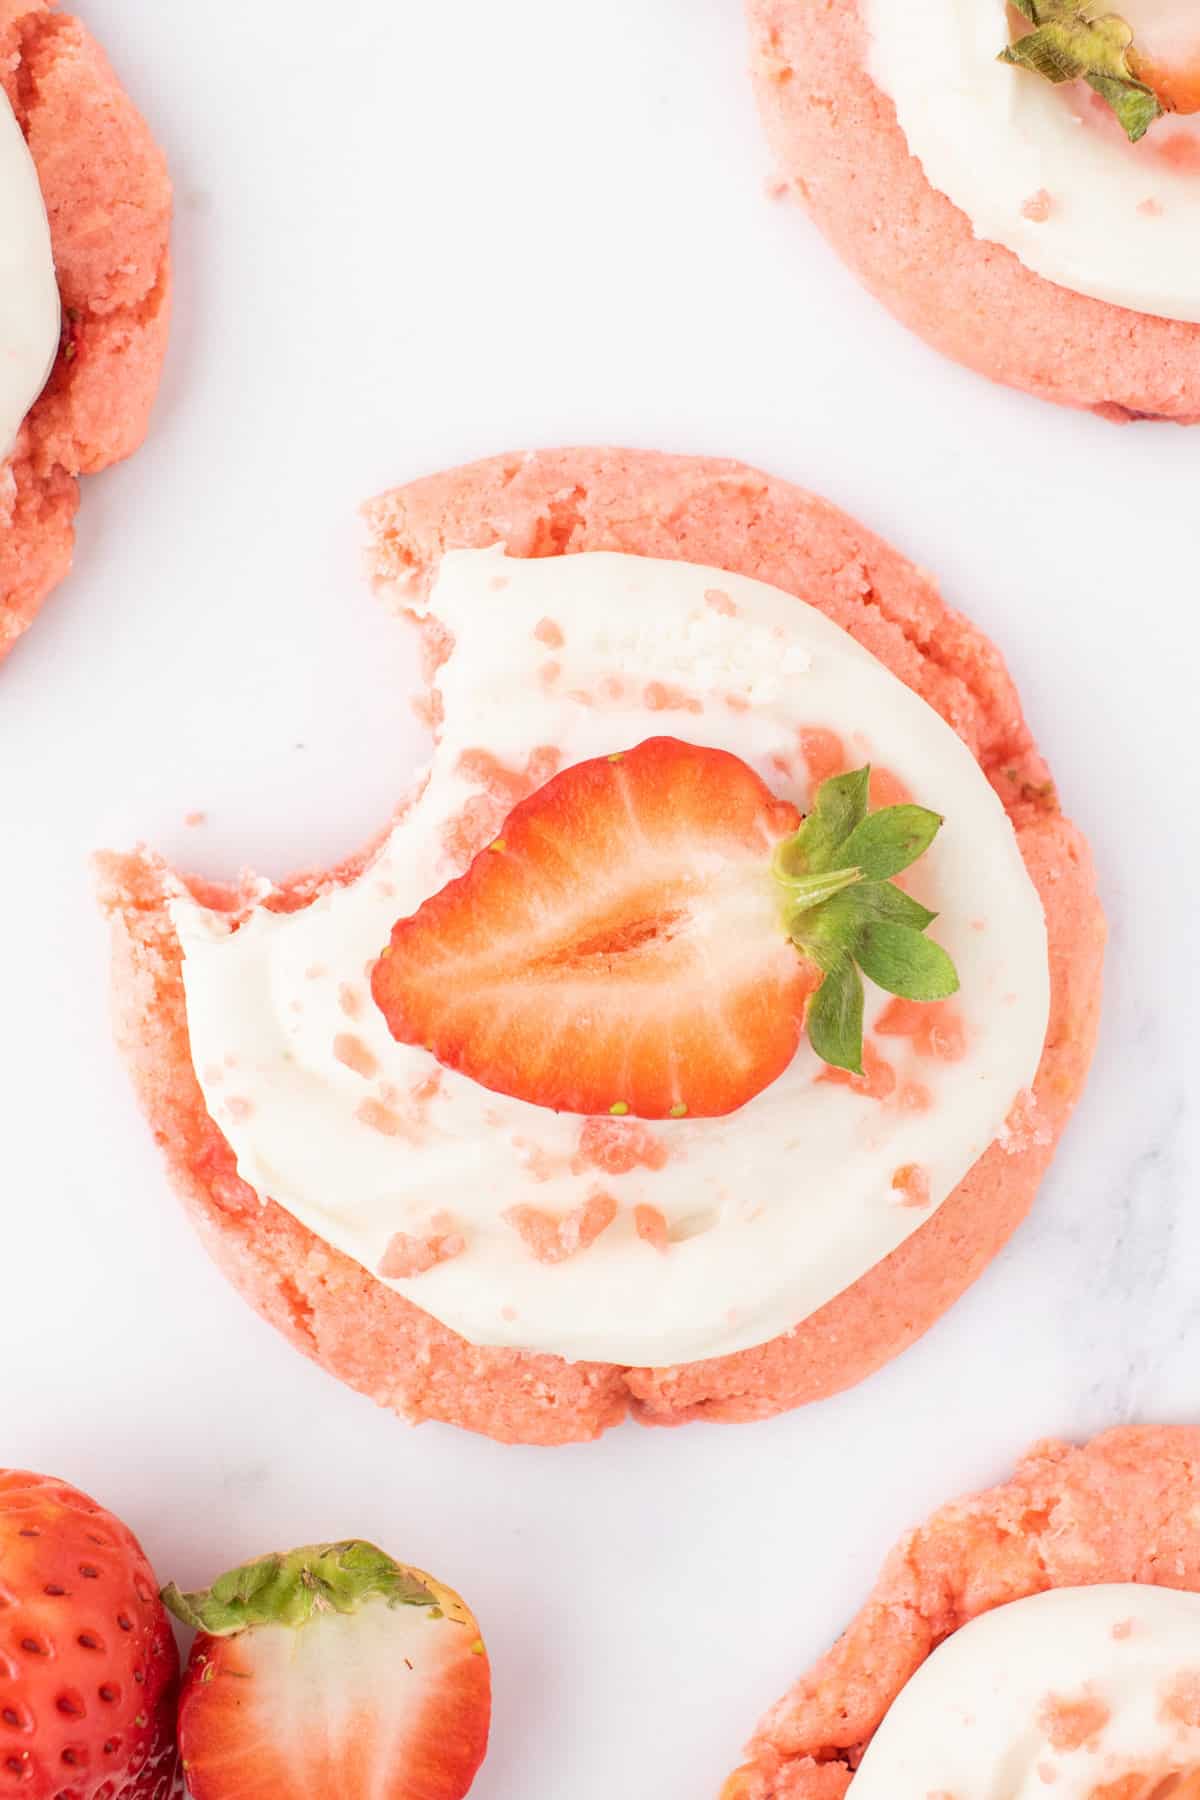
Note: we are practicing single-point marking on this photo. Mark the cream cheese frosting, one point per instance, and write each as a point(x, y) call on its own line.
point(759, 1218)
point(1073, 200)
point(1067, 1693)
point(30, 317)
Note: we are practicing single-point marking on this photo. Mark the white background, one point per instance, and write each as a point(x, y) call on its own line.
point(409, 235)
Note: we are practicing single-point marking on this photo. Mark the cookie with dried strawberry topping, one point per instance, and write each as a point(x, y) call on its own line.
point(347, 1310)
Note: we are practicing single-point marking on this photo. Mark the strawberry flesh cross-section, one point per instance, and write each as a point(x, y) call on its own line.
point(648, 932)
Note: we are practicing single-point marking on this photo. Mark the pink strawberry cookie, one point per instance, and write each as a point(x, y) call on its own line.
point(108, 197)
point(365, 1332)
point(968, 285)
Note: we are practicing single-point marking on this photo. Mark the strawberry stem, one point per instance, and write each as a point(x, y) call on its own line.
point(291, 1589)
point(805, 891)
point(841, 910)
point(1069, 42)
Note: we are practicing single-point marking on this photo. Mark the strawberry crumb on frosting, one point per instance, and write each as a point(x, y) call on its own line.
point(911, 1183)
point(1181, 1702)
point(618, 1146)
point(553, 1239)
point(354, 1055)
point(1072, 1723)
point(409, 1256)
point(651, 1227)
point(502, 788)
point(934, 1028)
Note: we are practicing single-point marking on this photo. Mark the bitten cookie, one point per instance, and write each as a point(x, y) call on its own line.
point(1039, 1690)
point(108, 198)
point(1019, 271)
point(339, 1308)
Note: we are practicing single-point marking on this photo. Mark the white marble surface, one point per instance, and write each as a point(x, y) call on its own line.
point(409, 235)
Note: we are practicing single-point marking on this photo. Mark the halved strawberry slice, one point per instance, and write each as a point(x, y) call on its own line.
point(645, 935)
point(331, 1671)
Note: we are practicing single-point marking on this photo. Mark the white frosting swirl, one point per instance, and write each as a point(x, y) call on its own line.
point(768, 1213)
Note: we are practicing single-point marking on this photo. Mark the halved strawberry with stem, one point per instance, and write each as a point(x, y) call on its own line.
point(331, 1671)
point(650, 930)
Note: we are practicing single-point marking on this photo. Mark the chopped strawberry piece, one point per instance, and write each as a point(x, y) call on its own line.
point(935, 1027)
point(877, 1081)
point(619, 950)
point(618, 1146)
point(483, 815)
point(407, 1256)
point(823, 753)
point(651, 1227)
point(552, 1239)
point(887, 789)
point(911, 1182)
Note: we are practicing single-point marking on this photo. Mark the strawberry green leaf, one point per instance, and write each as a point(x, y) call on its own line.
point(902, 961)
point(290, 1589)
point(846, 914)
point(1136, 105)
point(841, 910)
point(841, 804)
point(835, 1017)
point(1070, 43)
point(889, 841)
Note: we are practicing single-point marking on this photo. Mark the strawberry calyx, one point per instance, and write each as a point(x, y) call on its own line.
point(841, 909)
point(290, 1589)
point(1072, 41)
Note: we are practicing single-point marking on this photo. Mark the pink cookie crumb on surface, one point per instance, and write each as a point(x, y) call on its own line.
point(1126, 1507)
point(836, 140)
point(737, 519)
point(108, 197)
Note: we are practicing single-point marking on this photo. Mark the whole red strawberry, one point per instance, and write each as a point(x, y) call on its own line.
point(331, 1673)
point(88, 1665)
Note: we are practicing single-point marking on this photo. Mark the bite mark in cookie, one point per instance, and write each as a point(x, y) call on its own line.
point(379, 1340)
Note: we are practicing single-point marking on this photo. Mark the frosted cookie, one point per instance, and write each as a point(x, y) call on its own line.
point(85, 206)
point(1040, 1638)
point(1007, 218)
point(534, 1263)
